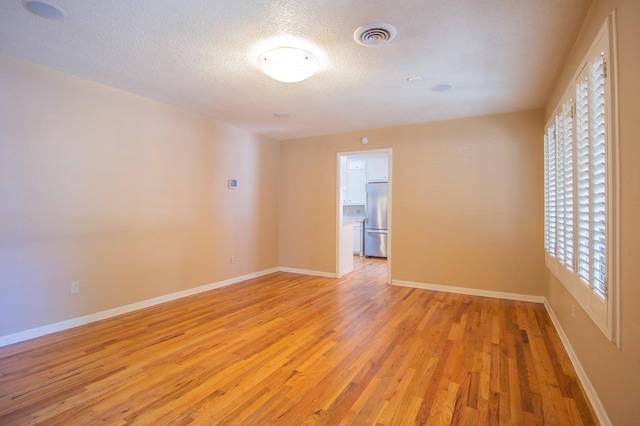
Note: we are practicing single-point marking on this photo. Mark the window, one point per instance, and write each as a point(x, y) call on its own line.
point(579, 187)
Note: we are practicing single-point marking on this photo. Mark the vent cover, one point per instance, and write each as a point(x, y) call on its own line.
point(374, 34)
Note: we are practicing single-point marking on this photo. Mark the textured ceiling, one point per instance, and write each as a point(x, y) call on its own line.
point(201, 55)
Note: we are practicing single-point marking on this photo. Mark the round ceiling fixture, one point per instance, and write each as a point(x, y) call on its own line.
point(44, 9)
point(374, 34)
point(364, 140)
point(442, 87)
point(288, 64)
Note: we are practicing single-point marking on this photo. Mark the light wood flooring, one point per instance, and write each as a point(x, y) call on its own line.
point(291, 349)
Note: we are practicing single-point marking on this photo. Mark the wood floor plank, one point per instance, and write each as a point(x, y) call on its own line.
point(292, 349)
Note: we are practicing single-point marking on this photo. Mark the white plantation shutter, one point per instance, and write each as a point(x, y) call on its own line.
point(592, 177)
point(579, 188)
point(583, 196)
point(566, 120)
point(560, 217)
point(547, 237)
point(559, 221)
point(552, 216)
point(598, 171)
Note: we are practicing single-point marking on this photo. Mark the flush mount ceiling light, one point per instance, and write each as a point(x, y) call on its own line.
point(288, 64)
point(43, 9)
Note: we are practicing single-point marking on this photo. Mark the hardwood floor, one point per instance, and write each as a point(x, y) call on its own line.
point(291, 349)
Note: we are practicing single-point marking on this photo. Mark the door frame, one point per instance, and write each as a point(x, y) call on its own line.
point(339, 208)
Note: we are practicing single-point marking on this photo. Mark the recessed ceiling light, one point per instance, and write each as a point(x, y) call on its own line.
point(288, 64)
point(44, 9)
point(442, 87)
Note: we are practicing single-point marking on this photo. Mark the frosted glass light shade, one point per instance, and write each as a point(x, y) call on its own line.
point(288, 64)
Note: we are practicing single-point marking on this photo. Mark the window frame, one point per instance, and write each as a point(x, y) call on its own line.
point(603, 308)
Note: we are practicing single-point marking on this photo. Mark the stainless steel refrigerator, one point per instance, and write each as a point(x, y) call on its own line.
point(375, 222)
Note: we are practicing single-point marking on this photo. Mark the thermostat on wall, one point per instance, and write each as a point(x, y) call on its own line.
point(233, 184)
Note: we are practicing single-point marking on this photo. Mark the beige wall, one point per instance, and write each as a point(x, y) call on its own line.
point(126, 195)
point(467, 201)
point(614, 373)
point(129, 197)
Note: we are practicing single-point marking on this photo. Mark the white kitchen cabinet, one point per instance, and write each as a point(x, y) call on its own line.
point(378, 169)
point(357, 237)
point(356, 164)
point(356, 181)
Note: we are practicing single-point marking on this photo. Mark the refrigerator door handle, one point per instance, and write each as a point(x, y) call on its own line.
point(376, 231)
point(366, 203)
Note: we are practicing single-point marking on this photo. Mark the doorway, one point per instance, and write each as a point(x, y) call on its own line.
point(356, 170)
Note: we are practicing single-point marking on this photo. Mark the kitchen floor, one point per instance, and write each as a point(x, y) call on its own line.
point(370, 266)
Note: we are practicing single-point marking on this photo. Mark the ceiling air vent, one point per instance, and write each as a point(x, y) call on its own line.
point(374, 34)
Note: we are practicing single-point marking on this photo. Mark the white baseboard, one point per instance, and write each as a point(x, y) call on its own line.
point(582, 375)
point(471, 291)
point(75, 322)
point(308, 272)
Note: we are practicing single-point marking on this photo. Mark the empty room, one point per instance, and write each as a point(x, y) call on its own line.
point(319, 212)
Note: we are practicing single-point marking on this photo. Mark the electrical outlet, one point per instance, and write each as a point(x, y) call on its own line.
point(75, 287)
point(233, 259)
